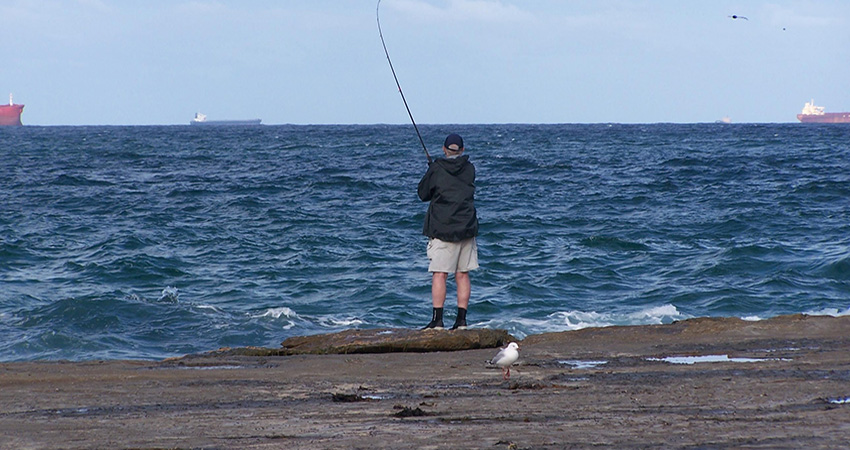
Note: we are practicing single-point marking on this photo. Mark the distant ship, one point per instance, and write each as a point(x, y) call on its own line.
point(815, 114)
point(201, 119)
point(11, 114)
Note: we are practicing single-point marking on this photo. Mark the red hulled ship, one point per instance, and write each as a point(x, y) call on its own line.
point(11, 114)
point(816, 114)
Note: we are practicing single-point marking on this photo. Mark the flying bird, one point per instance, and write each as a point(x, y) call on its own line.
point(733, 16)
point(505, 358)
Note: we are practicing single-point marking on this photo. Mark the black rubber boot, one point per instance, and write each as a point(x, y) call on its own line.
point(436, 320)
point(460, 322)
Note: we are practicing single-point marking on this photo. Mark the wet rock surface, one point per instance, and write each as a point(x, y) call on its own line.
point(783, 385)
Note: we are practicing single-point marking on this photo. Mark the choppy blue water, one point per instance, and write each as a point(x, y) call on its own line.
point(151, 242)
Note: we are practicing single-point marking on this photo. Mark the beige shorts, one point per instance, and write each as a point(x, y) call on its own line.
point(451, 257)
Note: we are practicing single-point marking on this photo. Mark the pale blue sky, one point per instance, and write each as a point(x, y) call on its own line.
point(141, 62)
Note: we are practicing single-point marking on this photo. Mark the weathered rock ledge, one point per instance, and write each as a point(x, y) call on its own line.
point(392, 340)
point(379, 340)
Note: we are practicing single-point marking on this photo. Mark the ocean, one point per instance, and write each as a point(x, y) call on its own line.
point(158, 241)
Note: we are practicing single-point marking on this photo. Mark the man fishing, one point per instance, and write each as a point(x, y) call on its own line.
point(451, 226)
point(452, 222)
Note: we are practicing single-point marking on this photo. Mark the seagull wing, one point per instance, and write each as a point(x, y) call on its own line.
point(499, 356)
point(506, 357)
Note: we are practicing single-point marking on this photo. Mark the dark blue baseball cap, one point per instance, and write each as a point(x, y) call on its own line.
point(454, 142)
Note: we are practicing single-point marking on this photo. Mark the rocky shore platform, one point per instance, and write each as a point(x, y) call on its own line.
point(699, 383)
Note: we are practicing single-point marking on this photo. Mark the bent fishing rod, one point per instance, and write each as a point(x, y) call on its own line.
point(380, 33)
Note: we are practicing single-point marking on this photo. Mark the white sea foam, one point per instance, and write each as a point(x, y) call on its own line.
point(576, 320)
point(335, 322)
point(212, 308)
point(277, 313)
point(657, 314)
point(169, 294)
point(834, 312)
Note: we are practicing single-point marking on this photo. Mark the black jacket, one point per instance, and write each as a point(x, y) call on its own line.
point(449, 184)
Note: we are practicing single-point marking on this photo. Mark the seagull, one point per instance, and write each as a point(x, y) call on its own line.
point(505, 358)
point(733, 16)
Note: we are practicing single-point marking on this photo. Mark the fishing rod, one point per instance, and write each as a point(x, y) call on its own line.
point(380, 33)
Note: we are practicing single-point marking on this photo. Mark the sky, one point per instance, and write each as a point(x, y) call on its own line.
point(158, 62)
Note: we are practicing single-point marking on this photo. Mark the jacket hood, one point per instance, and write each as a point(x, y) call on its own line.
point(453, 165)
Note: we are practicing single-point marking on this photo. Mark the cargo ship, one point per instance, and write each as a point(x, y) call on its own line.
point(816, 114)
point(201, 119)
point(11, 114)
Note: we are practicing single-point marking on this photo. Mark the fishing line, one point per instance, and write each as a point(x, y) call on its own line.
point(380, 33)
